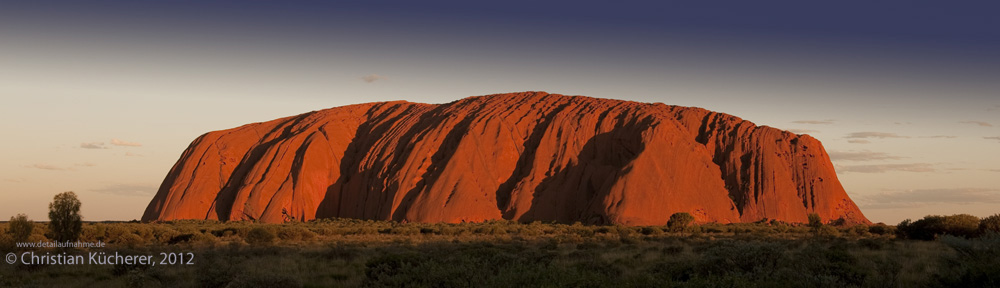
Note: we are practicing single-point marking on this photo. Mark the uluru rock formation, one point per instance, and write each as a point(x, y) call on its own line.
point(523, 156)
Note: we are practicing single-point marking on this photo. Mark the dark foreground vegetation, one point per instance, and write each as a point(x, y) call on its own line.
point(937, 251)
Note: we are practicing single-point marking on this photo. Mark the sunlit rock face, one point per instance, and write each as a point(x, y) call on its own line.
point(522, 156)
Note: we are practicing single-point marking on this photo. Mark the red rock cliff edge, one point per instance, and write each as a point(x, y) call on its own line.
point(523, 156)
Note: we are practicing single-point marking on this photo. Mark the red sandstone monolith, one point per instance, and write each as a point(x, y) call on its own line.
point(523, 156)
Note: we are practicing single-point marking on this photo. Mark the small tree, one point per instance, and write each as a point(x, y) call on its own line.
point(814, 221)
point(679, 221)
point(20, 228)
point(65, 222)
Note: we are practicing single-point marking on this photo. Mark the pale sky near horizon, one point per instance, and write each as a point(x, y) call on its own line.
point(102, 98)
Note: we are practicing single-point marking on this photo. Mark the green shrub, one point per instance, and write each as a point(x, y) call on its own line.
point(581, 230)
point(295, 234)
point(216, 270)
point(602, 230)
point(130, 240)
point(858, 230)
point(65, 221)
point(932, 226)
point(740, 257)
point(143, 231)
point(410, 230)
point(976, 262)
point(205, 238)
point(902, 228)
point(679, 221)
point(779, 226)
point(6, 243)
point(990, 224)
point(260, 235)
point(828, 231)
point(627, 235)
point(20, 228)
point(183, 238)
point(650, 231)
point(485, 266)
point(874, 243)
point(815, 221)
point(880, 229)
point(165, 234)
point(825, 264)
point(530, 230)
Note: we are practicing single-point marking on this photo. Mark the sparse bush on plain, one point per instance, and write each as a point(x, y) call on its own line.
point(651, 231)
point(881, 229)
point(20, 228)
point(65, 222)
point(409, 230)
point(828, 231)
point(859, 230)
point(932, 226)
point(260, 236)
point(990, 224)
point(814, 221)
point(679, 221)
point(295, 233)
point(510, 254)
point(130, 240)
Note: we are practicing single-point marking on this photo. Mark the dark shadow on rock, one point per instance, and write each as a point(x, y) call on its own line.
point(227, 195)
point(523, 167)
point(441, 156)
point(361, 145)
point(577, 191)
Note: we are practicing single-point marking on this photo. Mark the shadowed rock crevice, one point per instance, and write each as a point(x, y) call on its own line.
point(440, 158)
point(600, 163)
point(524, 162)
point(226, 197)
point(381, 119)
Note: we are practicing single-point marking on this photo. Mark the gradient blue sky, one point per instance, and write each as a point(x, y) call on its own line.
point(101, 97)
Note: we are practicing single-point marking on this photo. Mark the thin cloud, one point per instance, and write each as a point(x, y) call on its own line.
point(879, 135)
point(130, 154)
point(119, 142)
point(802, 131)
point(815, 122)
point(128, 190)
point(940, 137)
point(14, 180)
point(858, 141)
point(372, 78)
point(925, 197)
point(910, 167)
point(49, 167)
point(992, 138)
point(861, 156)
point(86, 164)
point(93, 145)
point(980, 123)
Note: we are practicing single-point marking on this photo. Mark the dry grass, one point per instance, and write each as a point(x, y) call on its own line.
point(351, 253)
